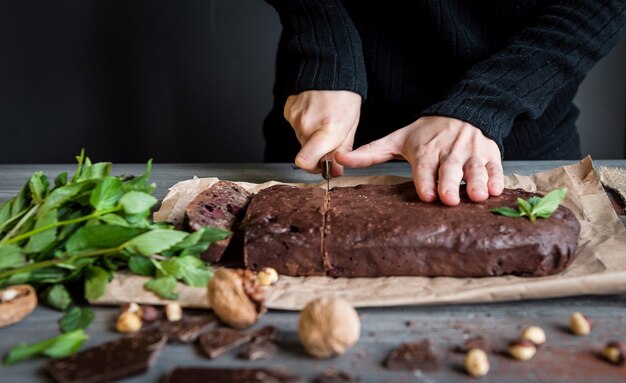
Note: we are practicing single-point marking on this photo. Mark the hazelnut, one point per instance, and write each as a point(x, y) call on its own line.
point(149, 314)
point(131, 307)
point(236, 297)
point(534, 334)
point(580, 324)
point(522, 349)
point(128, 322)
point(614, 352)
point(267, 276)
point(173, 312)
point(476, 363)
point(328, 326)
point(16, 302)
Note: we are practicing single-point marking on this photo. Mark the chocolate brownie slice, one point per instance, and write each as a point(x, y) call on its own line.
point(283, 230)
point(222, 205)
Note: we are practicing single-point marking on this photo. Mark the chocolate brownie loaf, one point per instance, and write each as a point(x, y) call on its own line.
point(375, 230)
point(222, 205)
point(283, 229)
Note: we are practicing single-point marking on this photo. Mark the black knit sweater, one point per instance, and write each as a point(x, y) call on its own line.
point(510, 68)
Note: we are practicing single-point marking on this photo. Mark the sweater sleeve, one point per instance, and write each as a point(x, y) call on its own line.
point(560, 45)
point(323, 47)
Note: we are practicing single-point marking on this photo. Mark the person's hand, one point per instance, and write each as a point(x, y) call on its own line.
point(439, 149)
point(325, 122)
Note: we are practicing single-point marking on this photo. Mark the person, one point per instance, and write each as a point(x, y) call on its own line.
point(451, 86)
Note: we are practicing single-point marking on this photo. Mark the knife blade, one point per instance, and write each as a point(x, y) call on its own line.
point(326, 165)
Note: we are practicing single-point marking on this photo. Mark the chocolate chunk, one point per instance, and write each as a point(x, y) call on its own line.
point(334, 376)
point(475, 342)
point(267, 332)
point(228, 375)
point(412, 356)
point(189, 328)
point(217, 341)
point(110, 361)
point(259, 350)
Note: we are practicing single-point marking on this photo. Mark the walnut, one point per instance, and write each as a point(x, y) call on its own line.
point(16, 302)
point(236, 297)
point(328, 326)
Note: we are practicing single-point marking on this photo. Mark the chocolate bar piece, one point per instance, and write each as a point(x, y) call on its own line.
point(222, 205)
point(217, 341)
point(188, 329)
point(228, 375)
point(334, 376)
point(110, 361)
point(412, 356)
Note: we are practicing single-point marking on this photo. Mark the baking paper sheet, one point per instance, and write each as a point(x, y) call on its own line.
point(600, 267)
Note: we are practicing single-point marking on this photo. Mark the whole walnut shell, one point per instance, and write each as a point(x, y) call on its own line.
point(16, 302)
point(328, 326)
point(236, 297)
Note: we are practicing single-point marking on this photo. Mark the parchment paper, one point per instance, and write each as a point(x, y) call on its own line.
point(600, 267)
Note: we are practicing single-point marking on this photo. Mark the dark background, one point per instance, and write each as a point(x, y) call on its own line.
point(177, 81)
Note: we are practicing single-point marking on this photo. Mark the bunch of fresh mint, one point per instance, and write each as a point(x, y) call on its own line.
point(67, 238)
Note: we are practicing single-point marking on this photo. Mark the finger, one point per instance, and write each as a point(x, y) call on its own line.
point(476, 178)
point(375, 152)
point(321, 142)
point(495, 173)
point(450, 176)
point(425, 178)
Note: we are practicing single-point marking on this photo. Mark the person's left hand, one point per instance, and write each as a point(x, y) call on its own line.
point(440, 149)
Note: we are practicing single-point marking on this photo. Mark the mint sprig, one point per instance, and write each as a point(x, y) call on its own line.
point(534, 207)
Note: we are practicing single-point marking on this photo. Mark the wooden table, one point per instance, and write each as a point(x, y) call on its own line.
point(565, 357)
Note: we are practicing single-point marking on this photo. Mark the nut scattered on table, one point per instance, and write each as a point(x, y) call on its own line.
point(131, 307)
point(328, 326)
point(236, 297)
point(522, 349)
point(476, 363)
point(16, 302)
point(580, 324)
point(267, 276)
point(534, 334)
point(173, 312)
point(614, 352)
point(128, 322)
point(149, 314)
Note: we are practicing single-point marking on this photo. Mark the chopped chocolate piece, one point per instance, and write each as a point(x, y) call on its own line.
point(334, 376)
point(189, 328)
point(222, 205)
point(474, 342)
point(259, 349)
point(412, 356)
point(267, 332)
point(228, 375)
point(217, 341)
point(110, 361)
point(283, 229)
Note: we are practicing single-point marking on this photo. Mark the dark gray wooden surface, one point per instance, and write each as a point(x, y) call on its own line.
point(565, 357)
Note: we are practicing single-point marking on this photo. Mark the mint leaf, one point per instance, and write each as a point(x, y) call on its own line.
point(38, 185)
point(506, 211)
point(60, 180)
point(193, 271)
point(39, 241)
point(10, 257)
point(96, 282)
point(141, 265)
point(141, 183)
point(100, 237)
point(170, 267)
point(57, 347)
point(163, 287)
point(58, 298)
point(114, 219)
point(525, 208)
point(76, 318)
point(106, 194)
point(136, 202)
point(549, 203)
point(155, 241)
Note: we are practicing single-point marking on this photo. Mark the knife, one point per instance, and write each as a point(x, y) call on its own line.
point(327, 165)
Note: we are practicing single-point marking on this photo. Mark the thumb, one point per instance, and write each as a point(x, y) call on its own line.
point(375, 152)
point(321, 142)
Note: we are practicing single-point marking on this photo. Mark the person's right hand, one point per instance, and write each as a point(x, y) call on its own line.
point(324, 121)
